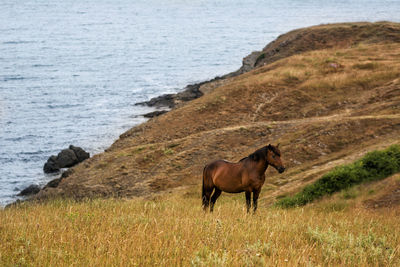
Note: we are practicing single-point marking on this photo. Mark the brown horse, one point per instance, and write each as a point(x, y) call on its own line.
point(247, 175)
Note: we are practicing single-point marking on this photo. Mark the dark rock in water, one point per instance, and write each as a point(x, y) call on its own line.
point(155, 113)
point(51, 165)
point(166, 100)
point(30, 190)
point(65, 159)
point(80, 153)
point(190, 92)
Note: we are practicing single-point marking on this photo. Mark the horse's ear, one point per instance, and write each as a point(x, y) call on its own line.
point(269, 146)
point(277, 146)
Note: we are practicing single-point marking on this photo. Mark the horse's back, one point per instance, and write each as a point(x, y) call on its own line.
point(217, 163)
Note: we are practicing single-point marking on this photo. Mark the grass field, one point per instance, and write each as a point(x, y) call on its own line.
point(174, 231)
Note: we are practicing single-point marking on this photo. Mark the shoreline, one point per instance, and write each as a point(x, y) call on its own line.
point(165, 102)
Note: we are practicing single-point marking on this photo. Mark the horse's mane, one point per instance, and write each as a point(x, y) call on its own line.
point(261, 153)
point(257, 155)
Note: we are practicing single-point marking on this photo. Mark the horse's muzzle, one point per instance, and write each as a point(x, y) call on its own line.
point(281, 169)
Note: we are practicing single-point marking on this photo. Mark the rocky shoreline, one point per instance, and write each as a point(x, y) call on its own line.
point(196, 90)
point(67, 158)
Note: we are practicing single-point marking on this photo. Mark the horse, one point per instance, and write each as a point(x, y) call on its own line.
point(247, 175)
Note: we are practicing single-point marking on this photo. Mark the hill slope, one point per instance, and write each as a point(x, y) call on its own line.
point(326, 106)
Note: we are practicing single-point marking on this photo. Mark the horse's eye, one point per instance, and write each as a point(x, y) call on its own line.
point(273, 156)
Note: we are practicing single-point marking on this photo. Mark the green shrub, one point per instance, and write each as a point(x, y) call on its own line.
point(394, 152)
point(375, 165)
point(379, 164)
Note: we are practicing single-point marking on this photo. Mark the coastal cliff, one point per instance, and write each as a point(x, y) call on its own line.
point(327, 93)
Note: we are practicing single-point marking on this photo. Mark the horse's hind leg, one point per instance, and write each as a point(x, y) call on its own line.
point(248, 200)
point(214, 198)
point(206, 197)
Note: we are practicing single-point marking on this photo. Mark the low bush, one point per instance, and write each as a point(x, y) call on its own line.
point(373, 166)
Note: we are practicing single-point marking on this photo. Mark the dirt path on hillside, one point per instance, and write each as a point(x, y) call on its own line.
point(337, 117)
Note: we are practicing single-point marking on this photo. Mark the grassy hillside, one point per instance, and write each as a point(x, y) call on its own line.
point(339, 35)
point(326, 107)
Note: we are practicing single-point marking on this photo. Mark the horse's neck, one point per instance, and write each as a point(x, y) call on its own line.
point(263, 167)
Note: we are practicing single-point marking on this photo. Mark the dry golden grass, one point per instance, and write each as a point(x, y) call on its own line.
point(319, 37)
point(174, 231)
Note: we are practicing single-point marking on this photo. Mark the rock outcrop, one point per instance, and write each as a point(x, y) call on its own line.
point(155, 113)
point(65, 159)
point(30, 190)
point(190, 92)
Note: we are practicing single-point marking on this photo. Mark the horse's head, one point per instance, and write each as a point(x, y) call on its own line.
point(274, 158)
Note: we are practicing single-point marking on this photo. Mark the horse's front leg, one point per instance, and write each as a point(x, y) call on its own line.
point(256, 193)
point(248, 201)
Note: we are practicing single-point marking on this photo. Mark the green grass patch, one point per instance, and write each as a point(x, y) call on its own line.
point(374, 166)
point(168, 151)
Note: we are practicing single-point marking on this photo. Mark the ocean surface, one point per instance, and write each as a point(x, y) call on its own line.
point(71, 71)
